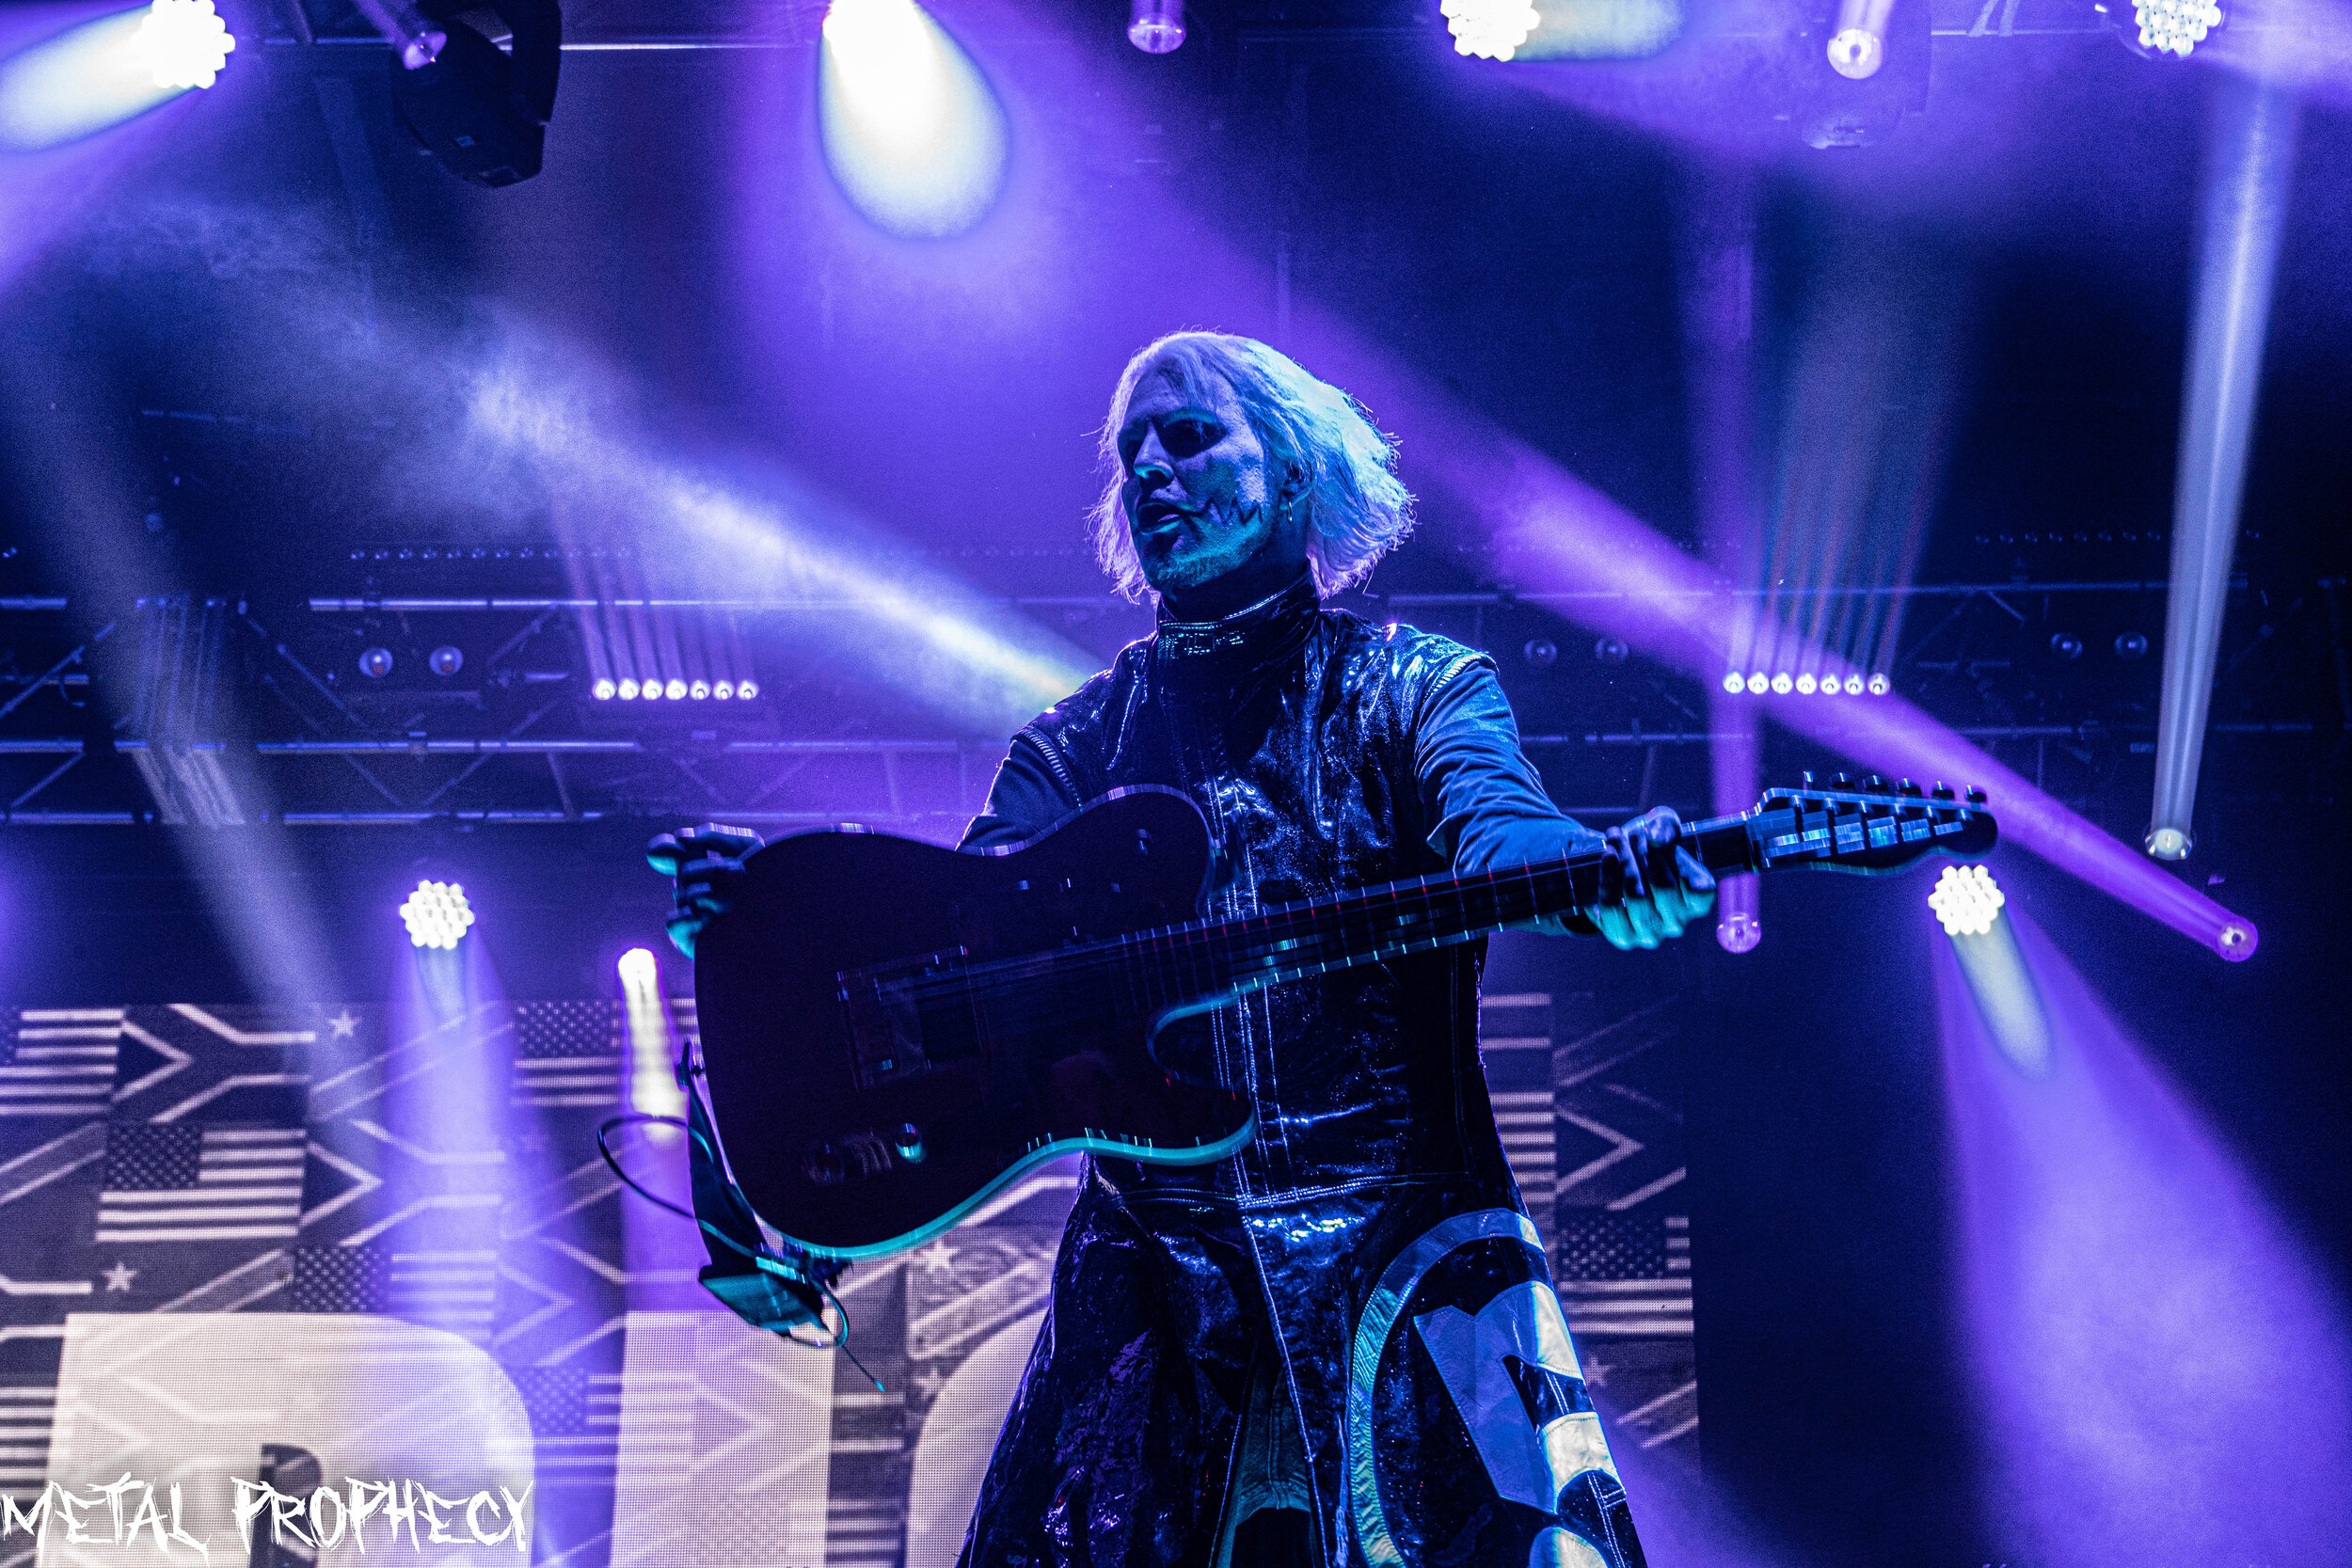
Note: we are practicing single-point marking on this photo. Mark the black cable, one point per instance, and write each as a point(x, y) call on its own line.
point(840, 1341)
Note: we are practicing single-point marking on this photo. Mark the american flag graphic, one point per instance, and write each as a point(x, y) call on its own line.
point(1624, 1273)
point(456, 1290)
point(1530, 1143)
point(567, 1054)
point(61, 1062)
point(169, 1182)
point(27, 1414)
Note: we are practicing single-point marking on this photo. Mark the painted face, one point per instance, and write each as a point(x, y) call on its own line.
point(1199, 500)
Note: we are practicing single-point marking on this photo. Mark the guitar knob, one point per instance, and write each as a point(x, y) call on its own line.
point(908, 1141)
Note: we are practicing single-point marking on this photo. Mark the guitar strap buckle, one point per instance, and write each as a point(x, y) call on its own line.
point(779, 1291)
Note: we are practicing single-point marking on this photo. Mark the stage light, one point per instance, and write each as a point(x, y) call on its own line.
point(481, 111)
point(653, 1089)
point(1858, 47)
point(1734, 682)
point(1156, 26)
point(1804, 686)
point(445, 661)
point(627, 689)
point(109, 70)
point(746, 690)
point(1759, 683)
point(913, 134)
point(183, 43)
point(1611, 650)
point(639, 970)
point(2247, 177)
point(1966, 900)
point(1541, 652)
point(2174, 26)
point(1853, 685)
point(700, 691)
point(604, 691)
point(377, 663)
point(1879, 684)
point(437, 915)
point(650, 691)
point(724, 691)
point(2066, 645)
point(674, 689)
point(1783, 683)
point(2131, 644)
point(1490, 29)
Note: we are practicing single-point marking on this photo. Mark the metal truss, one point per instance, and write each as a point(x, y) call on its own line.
point(330, 711)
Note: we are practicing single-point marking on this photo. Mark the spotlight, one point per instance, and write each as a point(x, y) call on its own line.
point(1966, 900)
point(183, 43)
point(1858, 48)
point(2174, 26)
point(1829, 686)
point(1880, 684)
point(1490, 29)
point(914, 133)
point(650, 691)
point(1853, 685)
point(1540, 653)
point(604, 691)
point(1156, 26)
point(1759, 683)
point(2131, 644)
point(1804, 686)
point(674, 689)
point(700, 690)
point(445, 660)
point(724, 691)
point(638, 970)
point(2168, 844)
point(482, 113)
point(2066, 645)
point(1611, 650)
point(746, 689)
point(437, 914)
point(1734, 682)
point(377, 663)
point(1782, 685)
point(628, 688)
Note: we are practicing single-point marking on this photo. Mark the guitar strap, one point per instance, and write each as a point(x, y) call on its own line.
point(775, 1290)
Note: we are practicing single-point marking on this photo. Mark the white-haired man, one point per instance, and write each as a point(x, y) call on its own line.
point(1338, 1346)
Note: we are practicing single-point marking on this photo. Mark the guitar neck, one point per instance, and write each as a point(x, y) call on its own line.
point(1869, 832)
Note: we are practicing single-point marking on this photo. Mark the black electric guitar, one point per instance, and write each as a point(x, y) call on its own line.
point(894, 1031)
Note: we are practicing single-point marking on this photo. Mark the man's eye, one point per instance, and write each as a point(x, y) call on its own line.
point(1187, 436)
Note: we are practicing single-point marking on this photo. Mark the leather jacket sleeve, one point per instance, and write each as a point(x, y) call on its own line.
point(1479, 788)
point(1025, 800)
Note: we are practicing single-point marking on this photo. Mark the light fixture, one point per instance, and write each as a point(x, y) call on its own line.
point(2169, 843)
point(746, 689)
point(377, 663)
point(2132, 644)
point(628, 688)
point(1880, 685)
point(1490, 29)
point(1853, 685)
point(1782, 684)
point(699, 690)
point(183, 43)
point(1734, 682)
point(437, 915)
point(674, 689)
point(912, 131)
point(1759, 683)
point(2174, 26)
point(1805, 685)
point(2066, 645)
point(1966, 900)
point(1858, 47)
point(722, 690)
point(1156, 26)
point(604, 691)
point(1611, 650)
point(445, 660)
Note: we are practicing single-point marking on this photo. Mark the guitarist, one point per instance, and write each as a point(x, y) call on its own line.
point(1338, 1346)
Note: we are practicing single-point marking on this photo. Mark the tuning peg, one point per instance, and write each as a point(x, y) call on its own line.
point(1875, 784)
point(1841, 781)
point(1806, 778)
point(1976, 797)
point(1943, 791)
point(1907, 788)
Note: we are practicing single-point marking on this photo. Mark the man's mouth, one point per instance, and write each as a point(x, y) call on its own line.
point(1159, 518)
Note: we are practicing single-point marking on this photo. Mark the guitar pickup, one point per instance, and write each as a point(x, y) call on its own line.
point(895, 1017)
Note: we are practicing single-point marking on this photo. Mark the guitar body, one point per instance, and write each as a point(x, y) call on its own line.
point(871, 1093)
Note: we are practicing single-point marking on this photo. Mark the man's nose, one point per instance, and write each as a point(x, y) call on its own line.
point(1153, 466)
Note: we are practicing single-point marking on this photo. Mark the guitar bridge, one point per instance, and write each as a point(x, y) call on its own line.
point(894, 1020)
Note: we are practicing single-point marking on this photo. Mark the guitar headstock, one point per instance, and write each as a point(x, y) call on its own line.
point(1868, 826)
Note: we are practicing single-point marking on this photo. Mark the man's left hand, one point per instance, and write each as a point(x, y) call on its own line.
point(1650, 889)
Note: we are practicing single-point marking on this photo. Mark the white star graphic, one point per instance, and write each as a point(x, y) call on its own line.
point(1596, 1375)
point(938, 1258)
point(119, 1277)
point(343, 1025)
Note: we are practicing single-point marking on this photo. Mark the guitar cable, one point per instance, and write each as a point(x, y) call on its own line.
point(751, 1295)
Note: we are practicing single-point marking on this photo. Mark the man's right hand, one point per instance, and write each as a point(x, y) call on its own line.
point(705, 864)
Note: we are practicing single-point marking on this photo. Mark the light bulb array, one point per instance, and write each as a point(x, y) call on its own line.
point(437, 914)
point(2175, 26)
point(1491, 29)
point(1781, 683)
point(1966, 900)
point(628, 690)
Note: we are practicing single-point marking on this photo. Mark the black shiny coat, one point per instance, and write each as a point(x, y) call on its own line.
point(1328, 753)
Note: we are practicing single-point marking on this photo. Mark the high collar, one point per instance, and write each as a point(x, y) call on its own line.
point(1220, 652)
